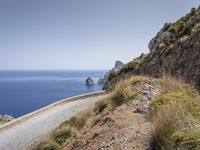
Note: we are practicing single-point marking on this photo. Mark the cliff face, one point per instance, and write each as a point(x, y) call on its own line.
point(174, 50)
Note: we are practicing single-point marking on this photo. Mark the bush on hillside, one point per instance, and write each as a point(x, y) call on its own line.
point(176, 117)
point(124, 92)
point(79, 120)
point(112, 75)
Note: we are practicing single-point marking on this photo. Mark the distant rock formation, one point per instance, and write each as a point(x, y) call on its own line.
point(175, 50)
point(89, 81)
point(118, 66)
point(101, 80)
point(5, 118)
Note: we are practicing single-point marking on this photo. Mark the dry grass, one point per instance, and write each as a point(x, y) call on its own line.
point(100, 105)
point(60, 134)
point(176, 118)
point(68, 128)
point(124, 92)
point(171, 84)
point(47, 145)
point(79, 120)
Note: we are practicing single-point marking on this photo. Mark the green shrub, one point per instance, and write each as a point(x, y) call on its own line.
point(61, 135)
point(112, 75)
point(124, 92)
point(132, 64)
point(176, 117)
point(165, 98)
point(129, 66)
point(49, 145)
point(79, 120)
point(187, 140)
point(191, 103)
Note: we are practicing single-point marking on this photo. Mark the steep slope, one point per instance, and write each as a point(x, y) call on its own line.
point(141, 113)
point(124, 128)
point(174, 50)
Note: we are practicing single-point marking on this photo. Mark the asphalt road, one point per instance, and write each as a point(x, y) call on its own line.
point(28, 133)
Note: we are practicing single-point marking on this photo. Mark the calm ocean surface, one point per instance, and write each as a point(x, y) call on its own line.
point(22, 92)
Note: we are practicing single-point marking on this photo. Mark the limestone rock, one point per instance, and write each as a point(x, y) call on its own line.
point(163, 37)
point(118, 66)
point(89, 81)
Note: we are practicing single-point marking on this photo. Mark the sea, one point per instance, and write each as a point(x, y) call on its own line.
point(22, 92)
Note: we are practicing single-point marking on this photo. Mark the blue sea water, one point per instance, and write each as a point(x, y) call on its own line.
point(22, 92)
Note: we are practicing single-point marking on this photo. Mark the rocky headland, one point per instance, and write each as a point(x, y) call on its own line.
point(175, 50)
point(115, 70)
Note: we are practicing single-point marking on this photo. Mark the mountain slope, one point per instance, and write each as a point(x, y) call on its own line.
point(174, 50)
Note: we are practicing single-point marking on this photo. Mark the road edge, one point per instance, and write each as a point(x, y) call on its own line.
point(48, 107)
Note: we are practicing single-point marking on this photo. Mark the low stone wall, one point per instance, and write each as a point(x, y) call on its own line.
point(46, 108)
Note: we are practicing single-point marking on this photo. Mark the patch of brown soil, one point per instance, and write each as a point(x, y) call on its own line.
point(124, 128)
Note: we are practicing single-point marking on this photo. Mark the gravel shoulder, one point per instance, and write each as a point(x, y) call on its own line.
point(29, 132)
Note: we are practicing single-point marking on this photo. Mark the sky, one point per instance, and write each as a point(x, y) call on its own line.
point(81, 34)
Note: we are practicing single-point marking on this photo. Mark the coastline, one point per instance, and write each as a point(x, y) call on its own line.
point(48, 107)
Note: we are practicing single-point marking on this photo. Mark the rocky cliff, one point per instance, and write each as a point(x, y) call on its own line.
point(174, 50)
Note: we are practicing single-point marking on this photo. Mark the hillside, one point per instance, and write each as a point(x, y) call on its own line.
point(175, 50)
point(141, 113)
point(152, 103)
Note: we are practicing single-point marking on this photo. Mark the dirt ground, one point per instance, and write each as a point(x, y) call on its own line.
point(127, 127)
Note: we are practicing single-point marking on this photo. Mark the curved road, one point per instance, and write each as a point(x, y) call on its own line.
point(24, 135)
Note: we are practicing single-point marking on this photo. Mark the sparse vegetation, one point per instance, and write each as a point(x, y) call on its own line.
point(61, 134)
point(112, 75)
point(176, 116)
point(132, 64)
point(124, 92)
point(48, 145)
point(170, 84)
point(79, 120)
point(64, 131)
point(100, 106)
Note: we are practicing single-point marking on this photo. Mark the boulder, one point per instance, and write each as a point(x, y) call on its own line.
point(163, 37)
point(5, 118)
point(89, 81)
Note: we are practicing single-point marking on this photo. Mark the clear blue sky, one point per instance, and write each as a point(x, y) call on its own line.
point(81, 34)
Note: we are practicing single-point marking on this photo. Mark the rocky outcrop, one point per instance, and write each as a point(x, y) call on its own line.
point(118, 66)
point(5, 118)
point(101, 80)
point(89, 81)
point(181, 57)
point(175, 50)
point(162, 37)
